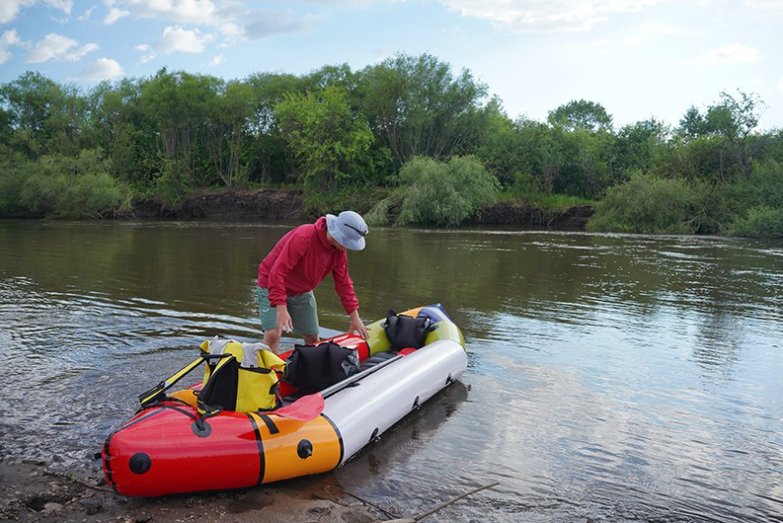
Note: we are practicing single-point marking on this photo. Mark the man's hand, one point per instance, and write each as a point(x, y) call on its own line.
point(357, 325)
point(283, 320)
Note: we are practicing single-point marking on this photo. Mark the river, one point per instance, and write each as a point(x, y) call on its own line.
point(610, 378)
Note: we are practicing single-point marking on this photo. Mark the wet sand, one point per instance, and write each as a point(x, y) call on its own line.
point(33, 492)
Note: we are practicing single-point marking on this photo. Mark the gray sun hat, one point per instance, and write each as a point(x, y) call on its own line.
point(348, 229)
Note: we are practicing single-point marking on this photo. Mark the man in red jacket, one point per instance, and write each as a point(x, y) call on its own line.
point(298, 263)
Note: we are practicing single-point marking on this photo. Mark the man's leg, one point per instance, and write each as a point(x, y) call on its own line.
point(268, 315)
point(304, 314)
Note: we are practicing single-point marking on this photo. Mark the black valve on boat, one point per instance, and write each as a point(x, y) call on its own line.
point(304, 449)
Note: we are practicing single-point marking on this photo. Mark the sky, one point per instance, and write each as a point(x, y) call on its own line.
point(639, 59)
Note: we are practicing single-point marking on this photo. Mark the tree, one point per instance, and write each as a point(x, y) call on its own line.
point(118, 125)
point(635, 147)
point(269, 159)
point(226, 129)
point(581, 115)
point(46, 117)
point(180, 103)
point(418, 108)
point(329, 140)
point(728, 130)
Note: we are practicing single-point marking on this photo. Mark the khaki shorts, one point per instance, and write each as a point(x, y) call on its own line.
point(302, 308)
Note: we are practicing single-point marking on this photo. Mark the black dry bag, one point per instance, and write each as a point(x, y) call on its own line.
point(405, 331)
point(312, 368)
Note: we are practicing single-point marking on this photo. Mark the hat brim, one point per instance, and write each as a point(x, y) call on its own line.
point(351, 244)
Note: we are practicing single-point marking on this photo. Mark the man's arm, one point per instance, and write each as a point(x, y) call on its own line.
point(291, 253)
point(357, 325)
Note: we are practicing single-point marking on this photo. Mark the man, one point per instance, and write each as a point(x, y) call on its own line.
point(298, 263)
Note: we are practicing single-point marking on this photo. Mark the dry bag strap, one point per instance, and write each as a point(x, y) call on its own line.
point(157, 392)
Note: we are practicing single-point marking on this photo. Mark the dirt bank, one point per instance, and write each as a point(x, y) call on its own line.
point(31, 492)
point(288, 204)
point(520, 214)
point(236, 205)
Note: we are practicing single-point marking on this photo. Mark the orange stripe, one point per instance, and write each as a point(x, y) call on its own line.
point(285, 445)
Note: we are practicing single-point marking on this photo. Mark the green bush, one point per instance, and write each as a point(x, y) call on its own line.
point(433, 192)
point(760, 222)
point(11, 184)
point(349, 197)
point(726, 212)
point(64, 187)
point(648, 204)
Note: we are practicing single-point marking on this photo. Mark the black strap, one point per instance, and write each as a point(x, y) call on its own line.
point(157, 392)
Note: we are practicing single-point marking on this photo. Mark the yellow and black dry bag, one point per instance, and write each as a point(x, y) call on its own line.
point(239, 377)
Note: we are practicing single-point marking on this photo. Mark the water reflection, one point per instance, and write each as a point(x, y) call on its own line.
point(611, 377)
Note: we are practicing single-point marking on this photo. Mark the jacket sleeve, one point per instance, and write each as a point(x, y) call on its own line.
point(291, 253)
point(344, 285)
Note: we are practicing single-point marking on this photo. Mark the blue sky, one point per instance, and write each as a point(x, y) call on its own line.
point(638, 58)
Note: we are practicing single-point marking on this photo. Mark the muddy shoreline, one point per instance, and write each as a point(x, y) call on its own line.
point(34, 492)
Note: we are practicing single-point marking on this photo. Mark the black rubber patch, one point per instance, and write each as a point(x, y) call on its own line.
point(201, 428)
point(140, 463)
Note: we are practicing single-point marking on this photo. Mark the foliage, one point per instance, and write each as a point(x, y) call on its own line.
point(326, 137)
point(47, 117)
point(581, 115)
point(12, 181)
point(345, 136)
point(728, 130)
point(648, 204)
point(559, 202)
point(355, 198)
point(732, 201)
point(760, 222)
point(440, 193)
point(63, 187)
point(418, 108)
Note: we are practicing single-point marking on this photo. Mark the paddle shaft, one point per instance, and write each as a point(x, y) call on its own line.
point(337, 387)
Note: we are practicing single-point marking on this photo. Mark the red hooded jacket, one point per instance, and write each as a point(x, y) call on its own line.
point(300, 261)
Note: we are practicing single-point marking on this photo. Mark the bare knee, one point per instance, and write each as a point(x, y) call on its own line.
point(311, 339)
point(272, 340)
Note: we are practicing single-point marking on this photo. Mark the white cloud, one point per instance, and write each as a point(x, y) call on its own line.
point(59, 48)
point(150, 53)
point(8, 39)
point(101, 69)
point(87, 14)
point(649, 31)
point(229, 18)
point(217, 60)
point(114, 15)
point(177, 39)
point(63, 5)
point(780, 85)
point(735, 53)
point(10, 8)
point(532, 16)
point(199, 12)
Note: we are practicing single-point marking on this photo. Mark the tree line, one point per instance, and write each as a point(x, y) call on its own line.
point(389, 139)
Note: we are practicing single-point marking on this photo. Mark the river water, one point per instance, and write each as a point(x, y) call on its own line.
point(611, 377)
